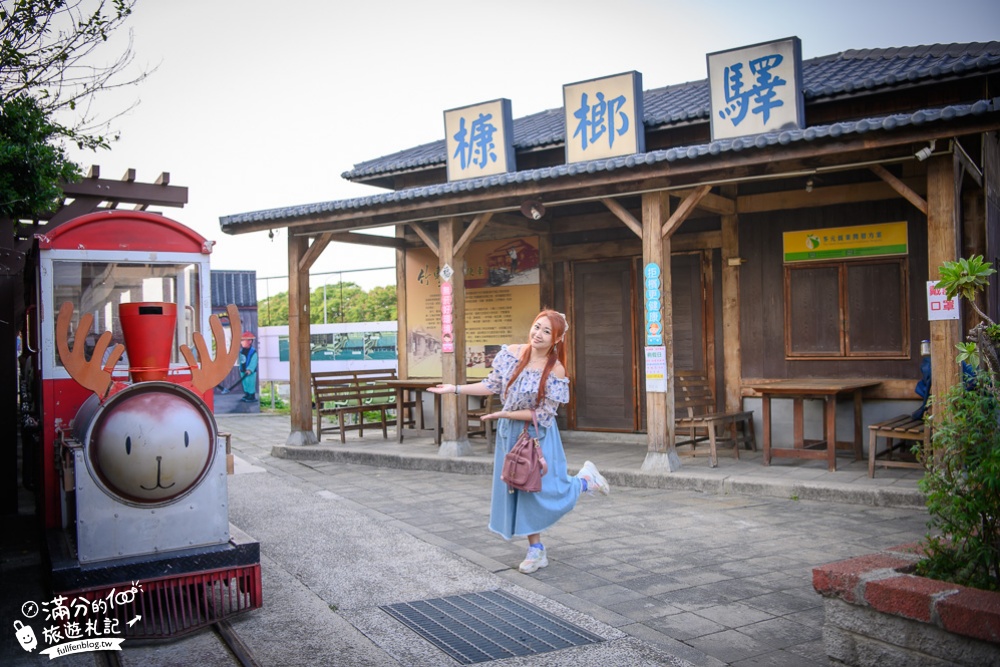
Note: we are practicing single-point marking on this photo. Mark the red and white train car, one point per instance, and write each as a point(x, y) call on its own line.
point(131, 472)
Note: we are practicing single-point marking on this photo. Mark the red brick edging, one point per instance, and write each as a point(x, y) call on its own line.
point(882, 581)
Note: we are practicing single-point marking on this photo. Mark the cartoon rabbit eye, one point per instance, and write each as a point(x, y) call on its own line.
point(186, 441)
point(128, 445)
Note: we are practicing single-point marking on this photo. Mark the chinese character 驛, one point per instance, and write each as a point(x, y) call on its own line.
point(763, 92)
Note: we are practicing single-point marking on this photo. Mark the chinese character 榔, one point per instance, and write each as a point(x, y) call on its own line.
point(604, 118)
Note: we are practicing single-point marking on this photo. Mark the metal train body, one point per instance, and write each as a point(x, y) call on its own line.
point(131, 479)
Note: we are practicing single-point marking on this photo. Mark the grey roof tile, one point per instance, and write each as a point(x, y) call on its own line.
point(842, 73)
point(785, 137)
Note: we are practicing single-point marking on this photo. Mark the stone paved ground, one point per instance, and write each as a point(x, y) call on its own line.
point(711, 578)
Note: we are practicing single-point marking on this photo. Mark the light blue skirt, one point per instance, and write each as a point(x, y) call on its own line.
point(521, 513)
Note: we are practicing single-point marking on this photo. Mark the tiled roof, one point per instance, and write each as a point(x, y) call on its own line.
point(847, 72)
point(784, 137)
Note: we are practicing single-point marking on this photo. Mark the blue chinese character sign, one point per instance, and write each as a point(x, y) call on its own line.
point(479, 139)
point(604, 117)
point(756, 89)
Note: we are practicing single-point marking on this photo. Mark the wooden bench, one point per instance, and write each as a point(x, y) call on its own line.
point(697, 420)
point(902, 429)
point(340, 394)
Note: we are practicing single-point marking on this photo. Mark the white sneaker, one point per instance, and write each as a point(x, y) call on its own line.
point(533, 561)
point(595, 480)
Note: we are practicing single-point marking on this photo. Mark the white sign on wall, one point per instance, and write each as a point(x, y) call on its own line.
point(479, 140)
point(756, 89)
point(939, 306)
point(656, 369)
point(604, 117)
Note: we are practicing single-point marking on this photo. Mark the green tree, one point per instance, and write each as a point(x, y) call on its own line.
point(344, 302)
point(31, 164)
point(273, 311)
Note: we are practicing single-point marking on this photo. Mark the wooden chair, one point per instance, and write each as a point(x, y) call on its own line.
point(898, 431)
point(698, 421)
point(485, 427)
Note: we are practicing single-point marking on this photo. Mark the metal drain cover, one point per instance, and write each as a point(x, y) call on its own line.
point(492, 625)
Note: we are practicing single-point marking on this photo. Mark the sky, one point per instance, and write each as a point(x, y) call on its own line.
point(256, 105)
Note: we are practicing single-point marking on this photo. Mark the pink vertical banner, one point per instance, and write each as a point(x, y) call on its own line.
point(447, 333)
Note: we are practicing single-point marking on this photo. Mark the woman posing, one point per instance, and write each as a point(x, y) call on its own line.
point(532, 377)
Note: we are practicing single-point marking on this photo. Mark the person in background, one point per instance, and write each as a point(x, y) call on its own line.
point(532, 378)
point(248, 367)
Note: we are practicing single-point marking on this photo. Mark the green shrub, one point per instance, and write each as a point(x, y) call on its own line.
point(962, 483)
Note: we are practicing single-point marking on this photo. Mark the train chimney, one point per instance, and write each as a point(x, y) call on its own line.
point(148, 328)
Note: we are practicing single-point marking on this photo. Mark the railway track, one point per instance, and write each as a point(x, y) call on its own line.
point(238, 651)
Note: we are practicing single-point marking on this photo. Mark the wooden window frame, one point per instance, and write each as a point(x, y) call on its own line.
point(843, 297)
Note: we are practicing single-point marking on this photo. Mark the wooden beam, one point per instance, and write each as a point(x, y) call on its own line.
point(622, 214)
point(711, 202)
point(478, 223)
point(519, 223)
point(968, 164)
point(367, 239)
point(633, 247)
point(684, 210)
point(899, 186)
point(834, 194)
point(426, 238)
point(119, 191)
point(313, 251)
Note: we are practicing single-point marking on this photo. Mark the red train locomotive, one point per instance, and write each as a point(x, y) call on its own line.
point(129, 469)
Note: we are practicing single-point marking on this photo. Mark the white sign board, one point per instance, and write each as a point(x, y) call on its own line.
point(939, 306)
point(755, 89)
point(656, 369)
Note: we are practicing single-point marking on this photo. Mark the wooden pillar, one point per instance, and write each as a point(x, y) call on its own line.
point(454, 410)
point(299, 367)
point(942, 246)
point(661, 455)
point(732, 358)
point(402, 325)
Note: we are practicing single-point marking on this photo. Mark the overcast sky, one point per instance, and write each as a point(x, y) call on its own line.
point(258, 105)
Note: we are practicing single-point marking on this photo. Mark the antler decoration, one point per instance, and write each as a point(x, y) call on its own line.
point(89, 374)
point(211, 371)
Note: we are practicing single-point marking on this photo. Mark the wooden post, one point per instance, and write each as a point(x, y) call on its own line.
point(402, 327)
point(299, 367)
point(454, 410)
point(943, 246)
point(732, 360)
point(662, 454)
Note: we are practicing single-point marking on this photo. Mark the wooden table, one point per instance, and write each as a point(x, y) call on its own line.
point(827, 390)
point(417, 388)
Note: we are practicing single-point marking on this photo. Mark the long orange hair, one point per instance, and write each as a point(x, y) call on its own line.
point(557, 352)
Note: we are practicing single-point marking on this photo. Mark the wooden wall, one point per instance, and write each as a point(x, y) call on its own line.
point(762, 290)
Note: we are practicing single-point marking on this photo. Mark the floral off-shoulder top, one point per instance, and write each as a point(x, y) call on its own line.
point(523, 394)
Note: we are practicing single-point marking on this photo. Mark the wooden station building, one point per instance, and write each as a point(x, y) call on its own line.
point(779, 220)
